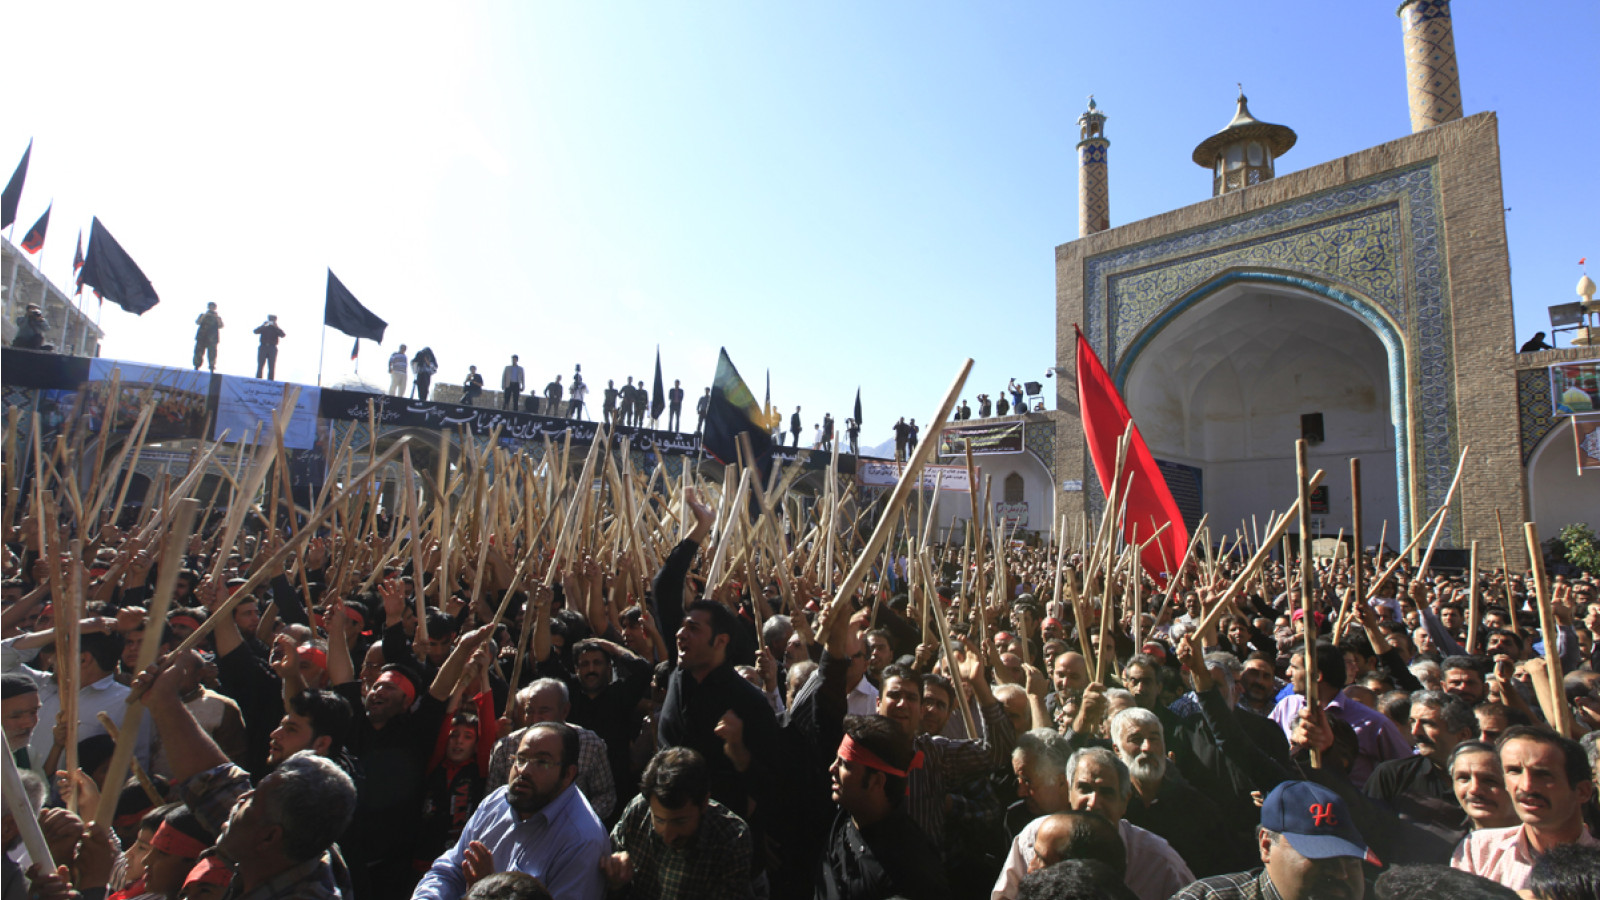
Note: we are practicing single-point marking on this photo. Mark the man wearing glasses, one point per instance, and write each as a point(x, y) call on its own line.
point(538, 824)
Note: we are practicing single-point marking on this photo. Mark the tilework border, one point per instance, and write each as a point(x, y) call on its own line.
point(1535, 412)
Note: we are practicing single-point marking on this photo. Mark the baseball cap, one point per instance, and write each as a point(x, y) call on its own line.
point(1314, 820)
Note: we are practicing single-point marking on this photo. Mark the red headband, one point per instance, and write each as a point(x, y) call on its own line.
point(856, 753)
point(173, 842)
point(310, 654)
point(400, 683)
point(209, 871)
point(191, 621)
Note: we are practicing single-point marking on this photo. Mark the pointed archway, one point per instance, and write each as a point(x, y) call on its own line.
point(1229, 378)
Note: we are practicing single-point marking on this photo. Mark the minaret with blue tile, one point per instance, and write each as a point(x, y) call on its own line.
point(1433, 84)
point(1094, 198)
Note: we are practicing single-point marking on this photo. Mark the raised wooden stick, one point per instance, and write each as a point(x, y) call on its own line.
point(351, 485)
point(1505, 573)
point(909, 478)
point(1558, 712)
point(183, 522)
point(1461, 465)
point(1308, 624)
point(27, 820)
point(1238, 585)
point(1472, 600)
point(139, 773)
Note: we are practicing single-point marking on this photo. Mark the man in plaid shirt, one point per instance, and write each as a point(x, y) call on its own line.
point(674, 842)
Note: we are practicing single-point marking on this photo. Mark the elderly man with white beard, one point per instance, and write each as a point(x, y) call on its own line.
point(1166, 805)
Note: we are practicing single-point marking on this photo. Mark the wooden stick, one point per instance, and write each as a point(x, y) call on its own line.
point(1183, 566)
point(419, 637)
point(1422, 570)
point(1505, 573)
point(139, 773)
point(1558, 713)
point(902, 491)
point(289, 546)
point(1357, 567)
point(1472, 600)
point(27, 820)
point(1308, 624)
point(183, 523)
point(1273, 533)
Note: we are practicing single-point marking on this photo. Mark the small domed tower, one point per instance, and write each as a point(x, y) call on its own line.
point(1433, 84)
point(1094, 198)
point(1244, 152)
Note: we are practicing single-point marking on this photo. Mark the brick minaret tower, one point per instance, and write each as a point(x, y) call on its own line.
point(1094, 199)
point(1433, 84)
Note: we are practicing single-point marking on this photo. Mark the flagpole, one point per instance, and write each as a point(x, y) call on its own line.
point(320, 350)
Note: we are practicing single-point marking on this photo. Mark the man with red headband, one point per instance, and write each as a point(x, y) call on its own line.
point(875, 850)
point(393, 742)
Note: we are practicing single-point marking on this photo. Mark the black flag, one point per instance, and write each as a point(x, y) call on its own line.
point(13, 191)
point(858, 406)
point(344, 312)
point(33, 241)
point(658, 394)
point(732, 412)
point(114, 275)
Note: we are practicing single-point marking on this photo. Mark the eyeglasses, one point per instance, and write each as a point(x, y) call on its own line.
point(538, 762)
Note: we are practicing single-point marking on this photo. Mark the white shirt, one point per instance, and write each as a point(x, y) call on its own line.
point(397, 363)
point(1155, 870)
point(863, 701)
point(105, 695)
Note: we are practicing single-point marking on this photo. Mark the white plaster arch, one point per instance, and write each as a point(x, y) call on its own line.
point(1557, 494)
point(1222, 385)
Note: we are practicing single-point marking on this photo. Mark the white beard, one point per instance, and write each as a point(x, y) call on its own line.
point(1147, 768)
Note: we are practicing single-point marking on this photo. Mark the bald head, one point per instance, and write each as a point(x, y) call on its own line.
point(1015, 702)
point(1078, 835)
point(1070, 673)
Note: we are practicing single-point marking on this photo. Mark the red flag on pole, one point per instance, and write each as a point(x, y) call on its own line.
point(1150, 503)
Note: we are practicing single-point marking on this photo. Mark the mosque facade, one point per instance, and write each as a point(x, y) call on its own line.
point(1363, 303)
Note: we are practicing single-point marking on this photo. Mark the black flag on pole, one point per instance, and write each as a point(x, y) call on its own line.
point(344, 312)
point(114, 275)
point(658, 393)
point(13, 192)
point(858, 406)
point(33, 241)
point(732, 412)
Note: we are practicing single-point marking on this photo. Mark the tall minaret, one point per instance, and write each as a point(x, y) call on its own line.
point(1433, 84)
point(1094, 198)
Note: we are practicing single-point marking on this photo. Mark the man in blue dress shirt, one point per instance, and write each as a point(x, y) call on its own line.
point(539, 823)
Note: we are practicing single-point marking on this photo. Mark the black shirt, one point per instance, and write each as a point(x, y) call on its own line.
point(890, 858)
point(1418, 791)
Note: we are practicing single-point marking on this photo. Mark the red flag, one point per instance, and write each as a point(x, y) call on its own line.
point(1582, 260)
point(1150, 503)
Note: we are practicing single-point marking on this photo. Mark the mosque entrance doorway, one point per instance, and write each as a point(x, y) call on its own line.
point(1224, 388)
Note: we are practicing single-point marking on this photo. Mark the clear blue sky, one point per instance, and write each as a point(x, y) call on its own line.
point(842, 193)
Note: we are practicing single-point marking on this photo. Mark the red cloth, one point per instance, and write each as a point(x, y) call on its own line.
point(1150, 504)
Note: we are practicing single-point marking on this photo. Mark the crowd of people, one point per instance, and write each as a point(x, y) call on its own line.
point(355, 727)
